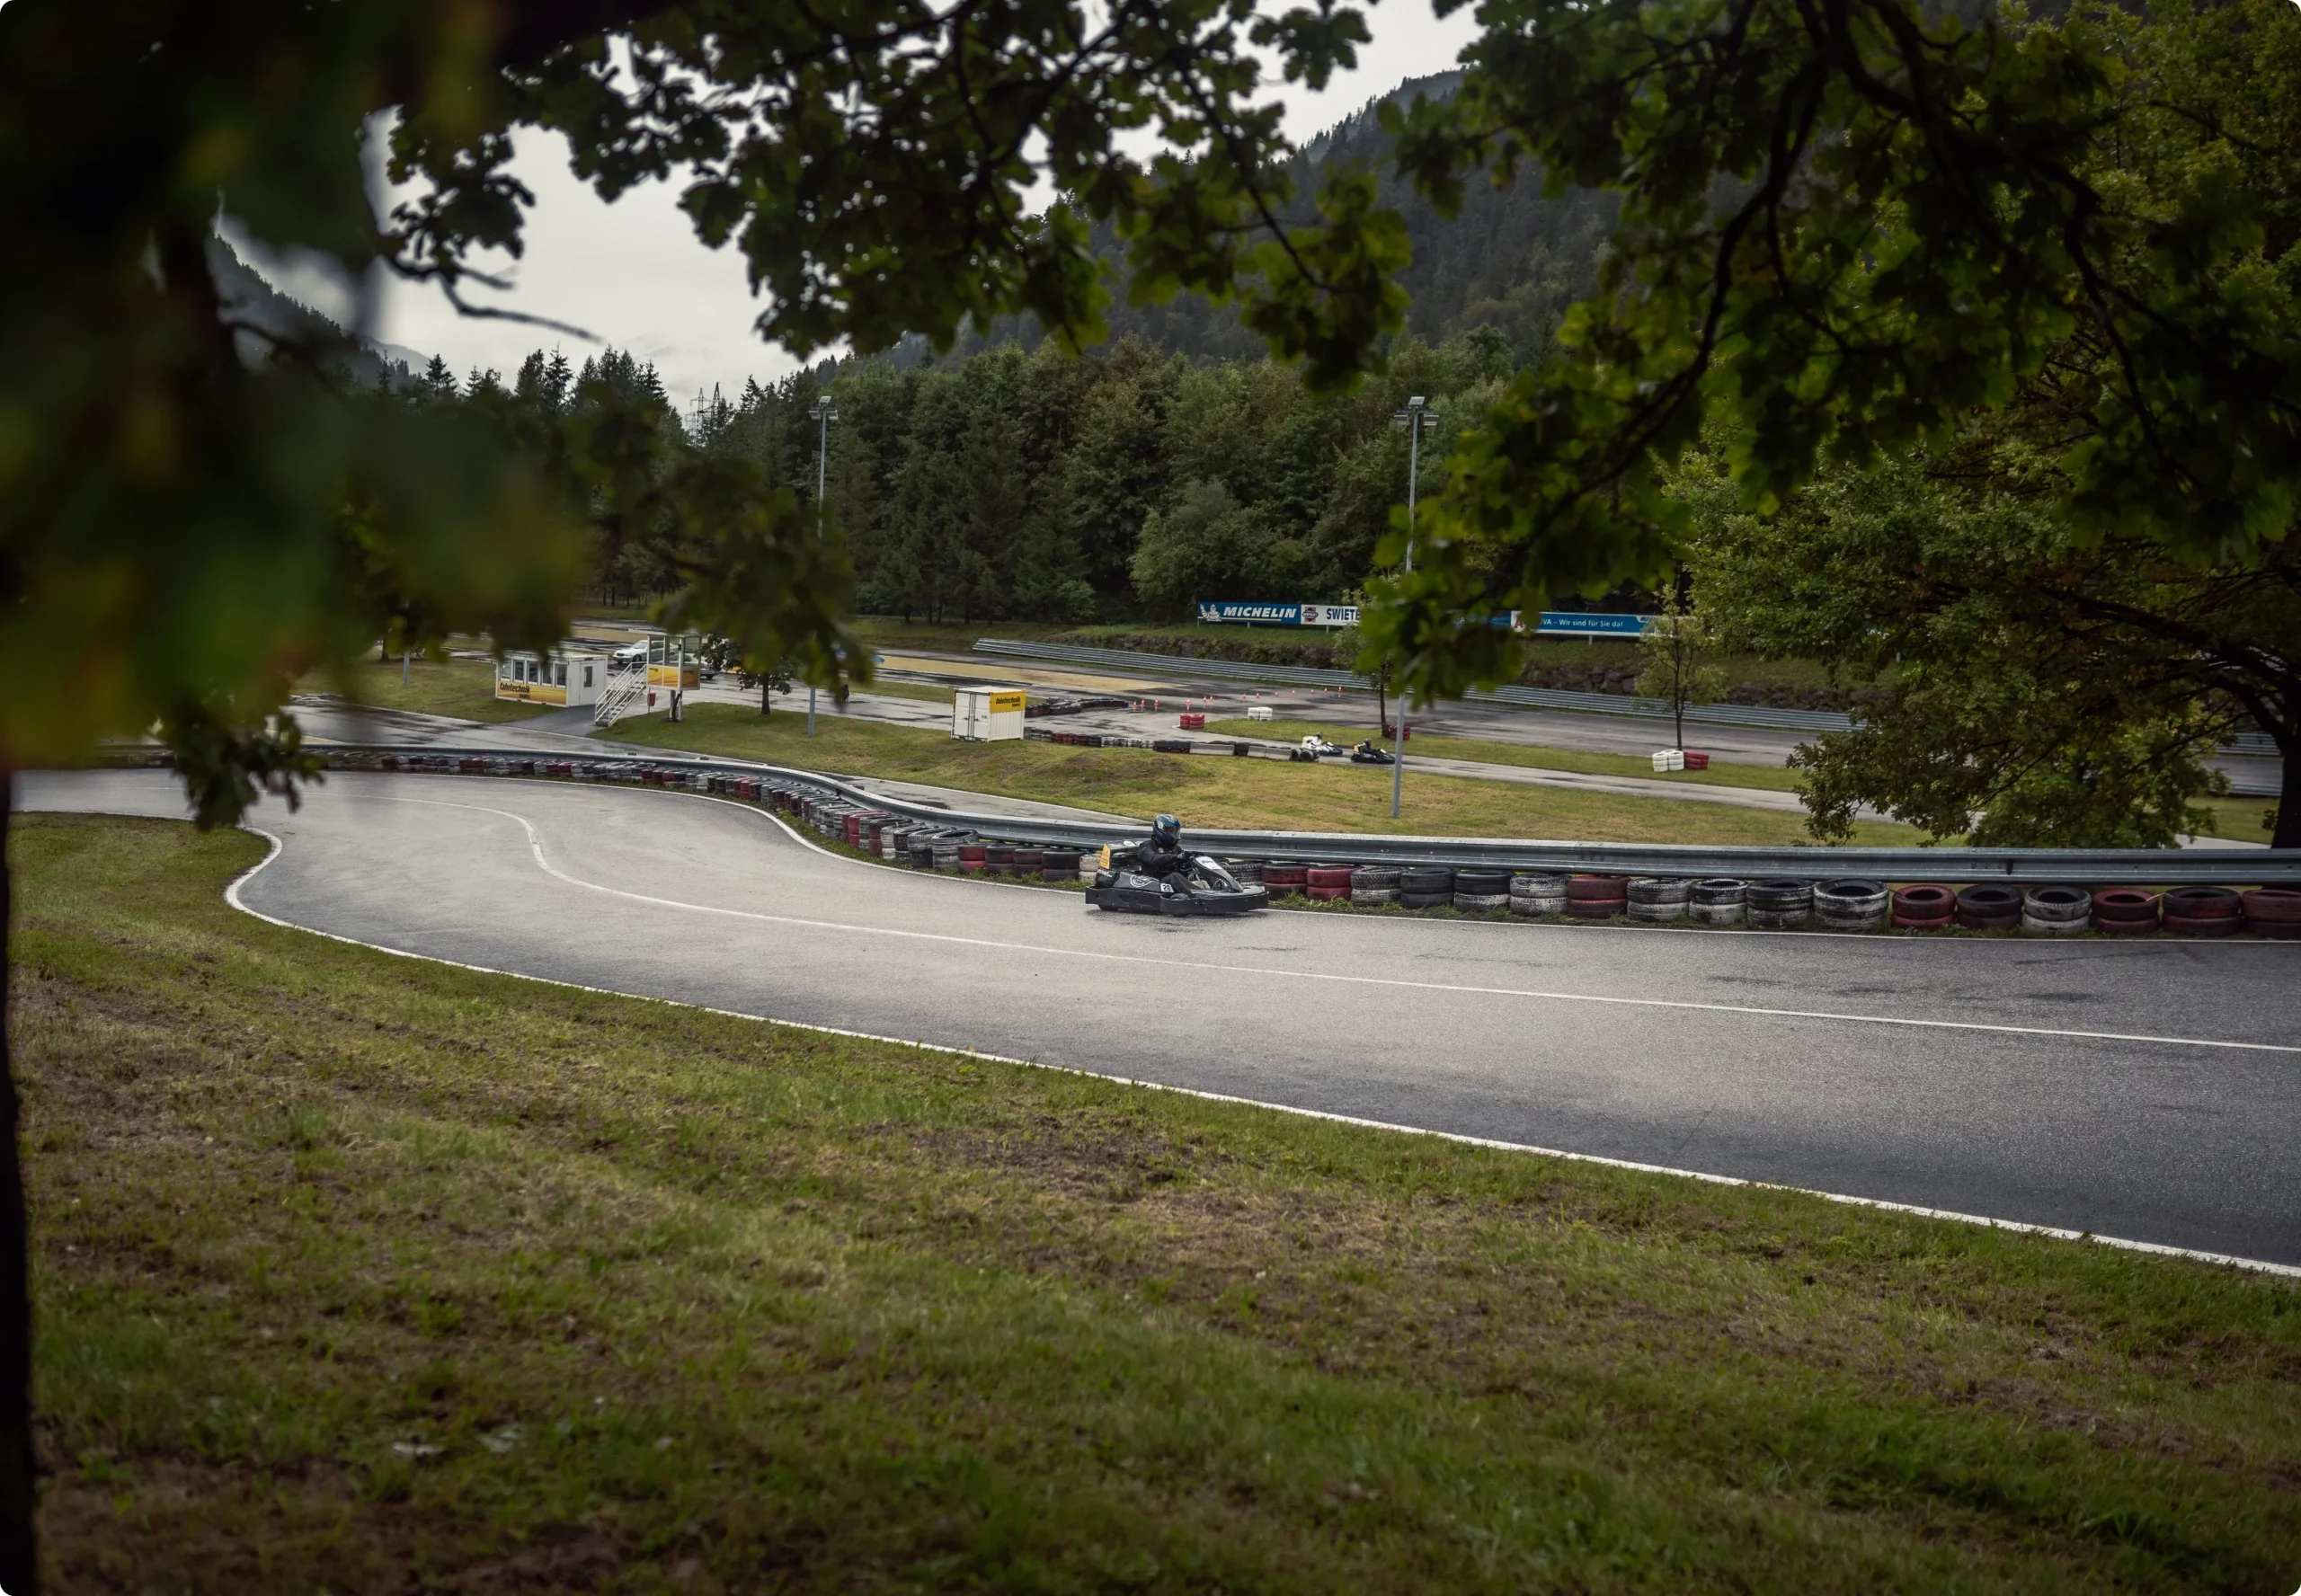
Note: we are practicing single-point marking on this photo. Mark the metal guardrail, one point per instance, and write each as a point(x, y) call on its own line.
point(2091, 867)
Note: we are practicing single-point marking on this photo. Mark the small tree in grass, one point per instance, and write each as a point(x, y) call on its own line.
point(1677, 649)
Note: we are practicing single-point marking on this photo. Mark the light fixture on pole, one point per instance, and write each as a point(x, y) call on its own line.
point(1413, 418)
point(825, 413)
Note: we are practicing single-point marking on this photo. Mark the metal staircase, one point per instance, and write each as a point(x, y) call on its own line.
point(627, 688)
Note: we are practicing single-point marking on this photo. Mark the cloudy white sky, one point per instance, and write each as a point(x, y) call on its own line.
point(633, 273)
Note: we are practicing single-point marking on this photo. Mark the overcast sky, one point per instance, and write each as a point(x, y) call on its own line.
point(635, 274)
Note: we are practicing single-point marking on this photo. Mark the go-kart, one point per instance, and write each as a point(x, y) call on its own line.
point(1367, 753)
point(1204, 889)
point(1312, 749)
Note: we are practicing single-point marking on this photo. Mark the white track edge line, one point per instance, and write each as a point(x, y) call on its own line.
point(2015, 1227)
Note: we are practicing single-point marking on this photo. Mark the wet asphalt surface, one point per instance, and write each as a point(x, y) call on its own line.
point(1790, 1058)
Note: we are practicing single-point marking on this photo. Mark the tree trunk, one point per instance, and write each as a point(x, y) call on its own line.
point(19, 1557)
point(765, 692)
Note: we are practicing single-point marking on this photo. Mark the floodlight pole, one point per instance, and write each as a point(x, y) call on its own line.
point(1411, 418)
point(825, 413)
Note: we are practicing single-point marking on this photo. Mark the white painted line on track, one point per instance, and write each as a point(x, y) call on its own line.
point(535, 847)
point(2015, 1227)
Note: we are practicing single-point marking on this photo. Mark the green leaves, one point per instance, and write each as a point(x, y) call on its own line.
point(1848, 225)
point(2036, 687)
point(198, 510)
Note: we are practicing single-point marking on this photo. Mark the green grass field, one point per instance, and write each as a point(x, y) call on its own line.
point(1775, 777)
point(360, 1273)
point(464, 689)
point(1209, 790)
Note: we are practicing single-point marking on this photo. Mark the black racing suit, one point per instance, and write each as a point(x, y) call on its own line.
point(1157, 858)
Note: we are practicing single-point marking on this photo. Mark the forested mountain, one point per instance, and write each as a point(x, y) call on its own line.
point(1510, 258)
point(257, 305)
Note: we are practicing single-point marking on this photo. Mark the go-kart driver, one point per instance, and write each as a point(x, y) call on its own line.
point(1162, 855)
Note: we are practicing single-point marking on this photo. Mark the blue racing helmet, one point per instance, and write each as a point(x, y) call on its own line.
point(1167, 828)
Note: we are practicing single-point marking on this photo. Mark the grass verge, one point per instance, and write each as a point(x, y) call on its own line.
point(361, 1274)
point(464, 689)
point(1773, 778)
point(1212, 790)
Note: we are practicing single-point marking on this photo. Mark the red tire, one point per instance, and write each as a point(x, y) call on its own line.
point(2273, 906)
point(2125, 904)
point(1924, 907)
point(1319, 876)
point(1326, 894)
point(2217, 925)
point(1597, 888)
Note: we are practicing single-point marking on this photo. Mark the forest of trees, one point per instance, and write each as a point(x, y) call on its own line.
point(1029, 485)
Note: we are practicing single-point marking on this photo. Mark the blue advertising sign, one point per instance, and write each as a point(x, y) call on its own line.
point(1591, 626)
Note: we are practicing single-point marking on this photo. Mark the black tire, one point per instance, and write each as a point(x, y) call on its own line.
point(1375, 878)
point(1481, 902)
point(1426, 879)
point(1717, 892)
point(2204, 903)
point(1482, 883)
point(1427, 899)
point(1778, 894)
point(1655, 890)
point(1538, 884)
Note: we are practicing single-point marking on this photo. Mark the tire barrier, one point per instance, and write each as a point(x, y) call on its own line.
point(1990, 906)
point(2057, 911)
point(1923, 907)
point(1535, 893)
point(1597, 897)
point(844, 816)
point(2204, 911)
point(1482, 892)
point(1717, 901)
point(1778, 903)
point(1373, 885)
point(2273, 911)
point(1426, 886)
point(1852, 904)
point(1659, 900)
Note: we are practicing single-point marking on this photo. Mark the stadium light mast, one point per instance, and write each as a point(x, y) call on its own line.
point(1413, 418)
point(825, 413)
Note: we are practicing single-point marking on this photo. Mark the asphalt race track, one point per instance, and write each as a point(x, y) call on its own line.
point(2145, 1091)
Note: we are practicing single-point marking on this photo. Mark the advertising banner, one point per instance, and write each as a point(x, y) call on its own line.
point(1553, 622)
point(1220, 610)
point(1574, 622)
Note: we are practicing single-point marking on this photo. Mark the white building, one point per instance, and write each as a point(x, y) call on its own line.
point(559, 678)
